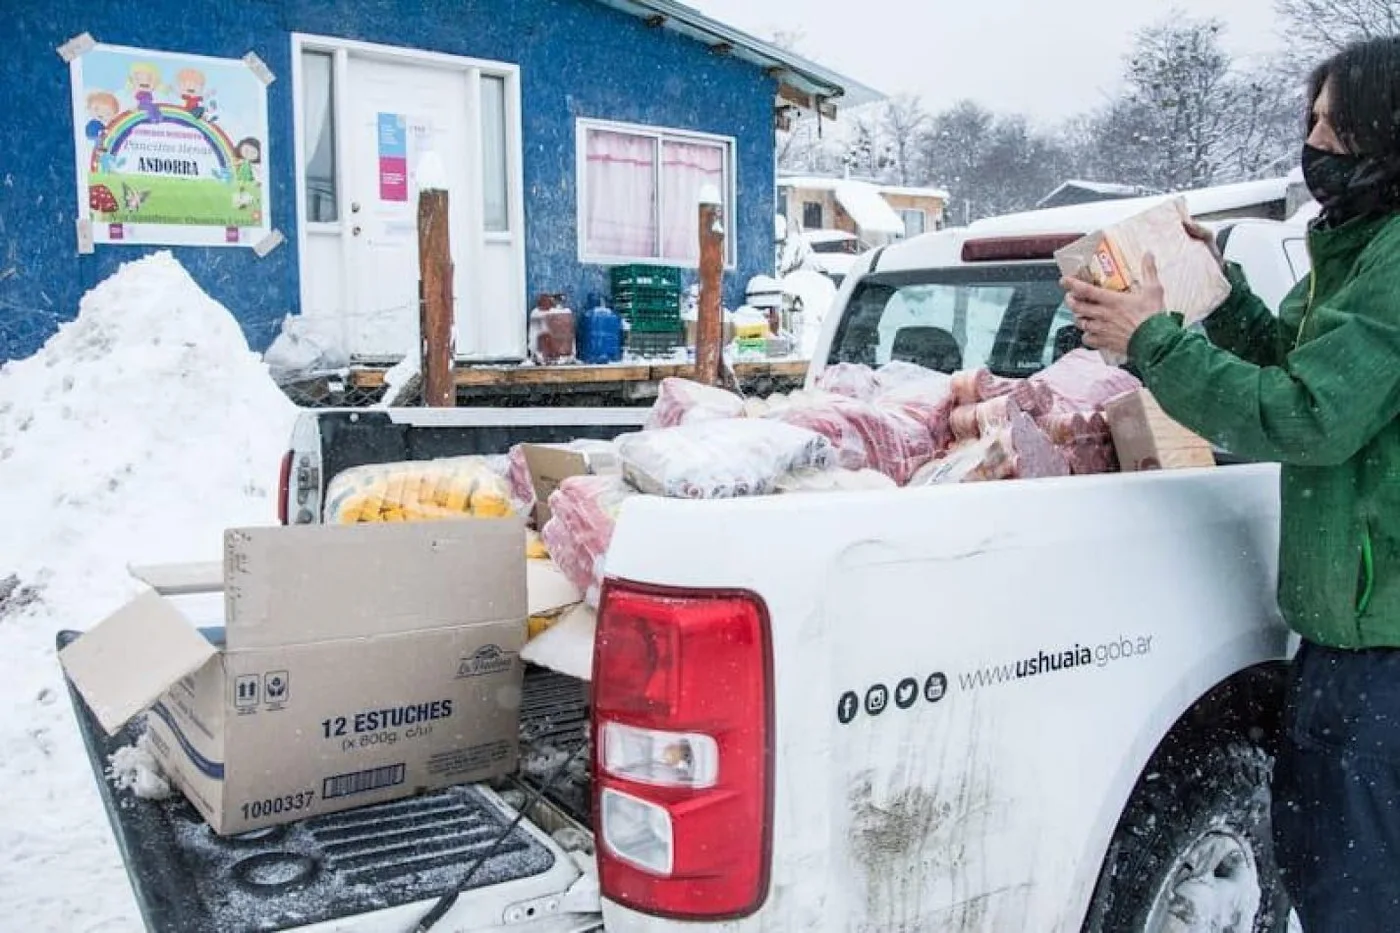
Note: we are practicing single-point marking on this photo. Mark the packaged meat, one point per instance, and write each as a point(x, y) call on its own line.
point(896, 443)
point(898, 373)
point(584, 512)
point(682, 401)
point(598, 457)
point(1081, 381)
point(424, 490)
point(1192, 279)
point(928, 399)
point(834, 481)
point(971, 386)
point(826, 420)
point(1083, 438)
point(854, 380)
point(1016, 450)
point(720, 459)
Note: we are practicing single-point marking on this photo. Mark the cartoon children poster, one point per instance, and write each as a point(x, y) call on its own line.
point(170, 149)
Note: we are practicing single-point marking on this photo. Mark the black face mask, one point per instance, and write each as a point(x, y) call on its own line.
point(1329, 175)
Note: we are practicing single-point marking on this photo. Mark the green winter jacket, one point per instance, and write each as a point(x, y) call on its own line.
point(1316, 389)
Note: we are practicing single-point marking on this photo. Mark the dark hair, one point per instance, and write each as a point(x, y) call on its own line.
point(1365, 96)
point(256, 160)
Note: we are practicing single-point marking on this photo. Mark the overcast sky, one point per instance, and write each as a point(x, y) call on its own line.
point(1043, 58)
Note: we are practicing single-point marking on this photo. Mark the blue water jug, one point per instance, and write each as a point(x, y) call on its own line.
point(600, 336)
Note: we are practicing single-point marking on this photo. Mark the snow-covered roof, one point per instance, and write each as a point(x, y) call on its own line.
point(1099, 187)
point(791, 69)
point(871, 212)
point(827, 236)
point(1087, 217)
point(908, 191)
point(826, 183)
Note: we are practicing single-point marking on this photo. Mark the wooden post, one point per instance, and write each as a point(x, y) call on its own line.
point(435, 313)
point(709, 328)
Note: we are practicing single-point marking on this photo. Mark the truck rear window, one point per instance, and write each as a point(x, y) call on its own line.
point(1010, 319)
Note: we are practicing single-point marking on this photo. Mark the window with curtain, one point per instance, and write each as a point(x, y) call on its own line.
point(640, 188)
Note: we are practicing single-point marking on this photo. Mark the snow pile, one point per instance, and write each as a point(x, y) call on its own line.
point(135, 435)
point(134, 768)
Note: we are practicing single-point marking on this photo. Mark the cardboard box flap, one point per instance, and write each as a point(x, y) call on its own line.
point(181, 579)
point(550, 466)
point(313, 583)
point(125, 662)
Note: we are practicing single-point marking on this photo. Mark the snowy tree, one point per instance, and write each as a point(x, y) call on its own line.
point(952, 151)
point(904, 123)
point(1318, 28)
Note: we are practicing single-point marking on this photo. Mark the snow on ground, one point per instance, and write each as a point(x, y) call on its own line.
point(136, 435)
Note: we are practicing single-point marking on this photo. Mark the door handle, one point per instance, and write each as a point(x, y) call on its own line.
point(354, 207)
point(355, 230)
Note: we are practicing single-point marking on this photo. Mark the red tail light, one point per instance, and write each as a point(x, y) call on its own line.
point(683, 751)
point(284, 482)
point(1016, 248)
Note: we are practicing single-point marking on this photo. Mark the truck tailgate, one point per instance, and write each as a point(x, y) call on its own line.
point(349, 864)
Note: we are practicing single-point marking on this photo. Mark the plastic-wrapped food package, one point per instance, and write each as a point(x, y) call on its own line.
point(929, 400)
point(896, 443)
point(1084, 439)
point(898, 373)
point(834, 481)
point(826, 420)
point(853, 380)
point(1112, 258)
point(1017, 450)
point(602, 458)
point(425, 490)
point(682, 401)
point(583, 514)
point(971, 386)
point(1081, 381)
point(720, 459)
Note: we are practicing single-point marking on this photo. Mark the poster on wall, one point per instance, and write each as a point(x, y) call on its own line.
point(171, 149)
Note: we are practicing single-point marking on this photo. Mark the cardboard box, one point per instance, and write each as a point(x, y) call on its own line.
point(360, 664)
point(551, 464)
point(1146, 439)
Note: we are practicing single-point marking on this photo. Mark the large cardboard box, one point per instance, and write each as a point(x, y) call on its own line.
point(360, 664)
point(1145, 438)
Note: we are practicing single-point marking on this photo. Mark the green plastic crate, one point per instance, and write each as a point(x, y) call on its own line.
point(640, 275)
point(660, 343)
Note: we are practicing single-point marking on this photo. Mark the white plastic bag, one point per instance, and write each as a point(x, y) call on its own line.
point(720, 459)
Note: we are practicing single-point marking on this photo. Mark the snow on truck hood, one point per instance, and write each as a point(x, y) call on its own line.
point(138, 433)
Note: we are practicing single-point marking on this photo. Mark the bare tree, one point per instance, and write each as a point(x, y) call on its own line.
point(1320, 27)
point(904, 123)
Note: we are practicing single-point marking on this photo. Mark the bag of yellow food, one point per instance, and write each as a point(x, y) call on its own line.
point(415, 491)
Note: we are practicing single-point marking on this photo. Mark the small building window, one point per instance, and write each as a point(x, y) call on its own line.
point(811, 215)
point(318, 136)
point(639, 191)
point(915, 221)
point(493, 148)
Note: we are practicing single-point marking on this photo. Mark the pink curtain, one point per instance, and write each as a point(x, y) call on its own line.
point(685, 169)
point(621, 195)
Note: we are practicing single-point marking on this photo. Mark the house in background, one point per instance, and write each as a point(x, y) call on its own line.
point(874, 212)
point(1076, 191)
point(575, 135)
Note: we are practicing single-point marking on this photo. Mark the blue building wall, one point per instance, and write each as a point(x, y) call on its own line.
point(578, 58)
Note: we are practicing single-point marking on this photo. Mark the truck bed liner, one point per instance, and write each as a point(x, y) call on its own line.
point(188, 880)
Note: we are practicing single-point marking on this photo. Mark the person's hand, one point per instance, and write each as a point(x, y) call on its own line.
point(1197, 232)
point(1108, 318)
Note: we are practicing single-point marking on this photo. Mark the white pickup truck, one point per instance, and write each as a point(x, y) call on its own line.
point(1041, 705)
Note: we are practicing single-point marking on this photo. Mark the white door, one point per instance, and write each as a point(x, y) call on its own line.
point(394, 109)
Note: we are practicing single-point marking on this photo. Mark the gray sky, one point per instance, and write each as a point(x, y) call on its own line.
point(1037, 57)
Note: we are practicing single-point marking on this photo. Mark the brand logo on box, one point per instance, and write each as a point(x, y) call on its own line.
point(488, 659)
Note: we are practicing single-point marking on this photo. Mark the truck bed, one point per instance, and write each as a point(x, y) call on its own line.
point(357, 862)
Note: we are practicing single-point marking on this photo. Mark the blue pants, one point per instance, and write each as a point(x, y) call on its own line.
point(1336, 808)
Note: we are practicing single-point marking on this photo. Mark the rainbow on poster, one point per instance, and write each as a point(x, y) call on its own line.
point(170, 149)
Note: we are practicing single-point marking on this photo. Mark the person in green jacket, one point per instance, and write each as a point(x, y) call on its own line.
point(1316, 389)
